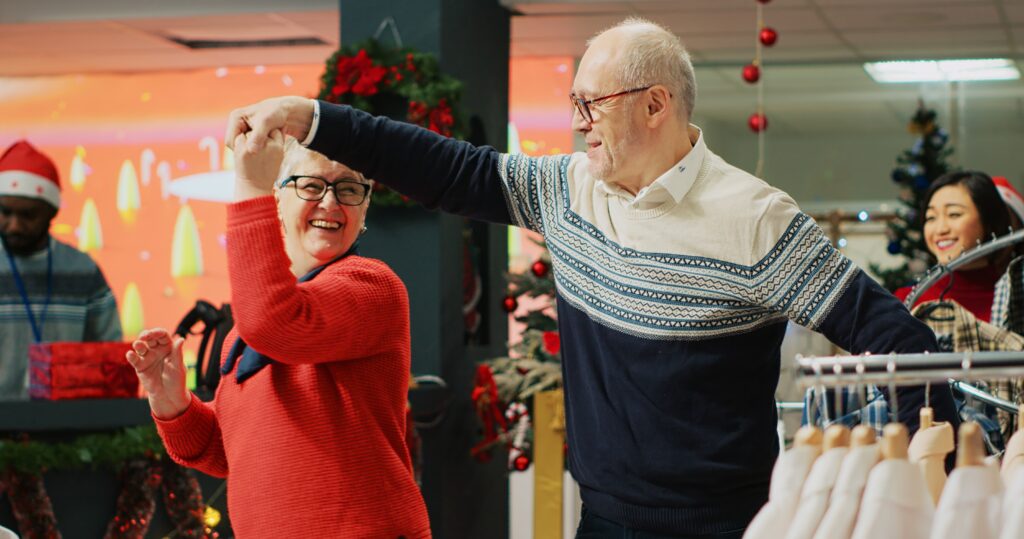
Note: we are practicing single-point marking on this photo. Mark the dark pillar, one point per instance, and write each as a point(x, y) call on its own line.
point(471, 39)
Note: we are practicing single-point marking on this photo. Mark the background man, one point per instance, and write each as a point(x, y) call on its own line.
point(49, 291)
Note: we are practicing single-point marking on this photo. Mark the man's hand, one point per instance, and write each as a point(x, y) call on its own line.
point(158, 362)
point(291, 115)
point(256, 170)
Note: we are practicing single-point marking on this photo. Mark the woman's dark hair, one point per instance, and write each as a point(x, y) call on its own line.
point(994, 214)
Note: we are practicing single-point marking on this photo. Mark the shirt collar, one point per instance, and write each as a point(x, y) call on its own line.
point(677, 180)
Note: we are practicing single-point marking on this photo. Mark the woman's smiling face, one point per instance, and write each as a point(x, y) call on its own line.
point(952, 224)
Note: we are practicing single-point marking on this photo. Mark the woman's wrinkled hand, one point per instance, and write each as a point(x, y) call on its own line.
point(158, 361)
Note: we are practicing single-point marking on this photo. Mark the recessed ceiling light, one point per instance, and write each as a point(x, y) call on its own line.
point(942, 70)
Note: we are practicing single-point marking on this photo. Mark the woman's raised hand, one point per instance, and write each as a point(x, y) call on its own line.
point(158, 361)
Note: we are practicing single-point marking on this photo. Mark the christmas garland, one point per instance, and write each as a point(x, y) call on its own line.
point(400, 83)
point(136, 455)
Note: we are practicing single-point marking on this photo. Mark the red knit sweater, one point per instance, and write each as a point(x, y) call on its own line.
point(313, 445)
point(974, 289)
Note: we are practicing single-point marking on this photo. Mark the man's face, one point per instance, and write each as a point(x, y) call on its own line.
point(25, 223)
point(613, 134)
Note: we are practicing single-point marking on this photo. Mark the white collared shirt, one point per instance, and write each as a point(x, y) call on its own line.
point(673, 184)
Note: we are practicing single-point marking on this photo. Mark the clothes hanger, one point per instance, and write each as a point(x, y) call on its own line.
point(971, 450)
point(862, 434)
point(929, 310)
point(835, 436)
point(895, 441)
point(895, 438)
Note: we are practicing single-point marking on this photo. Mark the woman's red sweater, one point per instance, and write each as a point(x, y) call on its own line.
point(314, 444)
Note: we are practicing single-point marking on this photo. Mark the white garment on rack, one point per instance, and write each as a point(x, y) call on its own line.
point(816, 492)
point(896, 503)
point(1014, 455)
point(928, 449)
point(971, 504)
point(788, 476)
point(844, 503)
point(1013, 505)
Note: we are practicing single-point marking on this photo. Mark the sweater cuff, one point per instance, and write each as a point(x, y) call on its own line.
point(253, 209)
point(187, 435)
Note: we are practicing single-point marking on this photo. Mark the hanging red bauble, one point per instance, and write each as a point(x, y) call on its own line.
point(509, 304)
point(751, 73)
point(757, 122)
point(540, 268)
point(521, 463)
point(768, 36)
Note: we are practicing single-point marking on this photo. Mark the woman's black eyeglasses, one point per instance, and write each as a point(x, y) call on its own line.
point(313, 188)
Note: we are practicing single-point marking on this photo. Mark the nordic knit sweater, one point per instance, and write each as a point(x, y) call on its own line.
point(671, 317)
point(314, 444)
point(81, 309)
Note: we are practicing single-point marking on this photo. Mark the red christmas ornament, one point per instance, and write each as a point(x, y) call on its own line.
point(540, 268)
point(757, 122)
point(751, 73)
point(763, 1)
point(521, 463)
point(509, 304)
point(768, 36)
point(552, 342)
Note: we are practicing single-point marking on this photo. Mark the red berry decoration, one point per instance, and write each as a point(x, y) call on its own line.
point(521, 463)
point(757, 122)
point(509, 304)
point(751, 73)
point(540, 268)
point(768, 36)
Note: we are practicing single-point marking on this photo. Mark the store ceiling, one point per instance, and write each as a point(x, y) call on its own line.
point(814, 70)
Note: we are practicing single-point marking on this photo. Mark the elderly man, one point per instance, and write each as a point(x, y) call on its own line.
point(49, 291)
point(676, 274)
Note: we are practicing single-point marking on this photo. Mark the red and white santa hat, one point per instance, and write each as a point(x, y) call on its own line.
point(1010, 196)
point(27, 172)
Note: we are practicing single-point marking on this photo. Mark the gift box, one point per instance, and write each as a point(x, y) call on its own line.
point(77, 370)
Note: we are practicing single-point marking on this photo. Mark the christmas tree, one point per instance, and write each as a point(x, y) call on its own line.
point(915, 171)
point(504, 385)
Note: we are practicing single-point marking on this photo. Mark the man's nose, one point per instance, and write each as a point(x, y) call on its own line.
point(579, 123)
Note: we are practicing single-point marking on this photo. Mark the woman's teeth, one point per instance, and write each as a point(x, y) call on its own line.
point(945, 244)
point(327, 225)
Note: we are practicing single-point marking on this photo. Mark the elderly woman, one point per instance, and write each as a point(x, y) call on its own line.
point(308, 422)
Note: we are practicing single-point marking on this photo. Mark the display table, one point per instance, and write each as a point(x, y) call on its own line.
point(84, 500)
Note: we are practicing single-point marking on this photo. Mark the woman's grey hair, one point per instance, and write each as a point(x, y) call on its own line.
point(654, 55)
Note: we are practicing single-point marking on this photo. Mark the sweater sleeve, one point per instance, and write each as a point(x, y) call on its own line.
point(102, 322)
point(193, 439)
point(356, 308)
point(434, 170)
point(816, 286)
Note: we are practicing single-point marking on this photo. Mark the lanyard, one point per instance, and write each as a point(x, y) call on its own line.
point(37, 330)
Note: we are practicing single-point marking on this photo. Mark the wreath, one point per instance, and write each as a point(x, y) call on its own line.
point(396, 82)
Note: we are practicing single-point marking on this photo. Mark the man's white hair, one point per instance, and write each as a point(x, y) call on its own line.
point(654, 55)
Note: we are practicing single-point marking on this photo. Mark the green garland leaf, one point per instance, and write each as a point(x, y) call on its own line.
point(91, 451)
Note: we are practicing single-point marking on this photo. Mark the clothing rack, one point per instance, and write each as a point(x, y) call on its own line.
point(936, 272)
point(915, 369)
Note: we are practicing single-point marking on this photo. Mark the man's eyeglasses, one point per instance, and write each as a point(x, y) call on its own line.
point(314, 188)
point(583, 105)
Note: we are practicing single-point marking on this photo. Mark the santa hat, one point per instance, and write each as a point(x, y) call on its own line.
point(27, 172)
point(1010, 196)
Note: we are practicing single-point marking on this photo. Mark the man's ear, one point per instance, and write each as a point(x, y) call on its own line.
point(659, 101)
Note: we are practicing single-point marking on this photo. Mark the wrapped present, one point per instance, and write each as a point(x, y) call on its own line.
point(81, 370)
